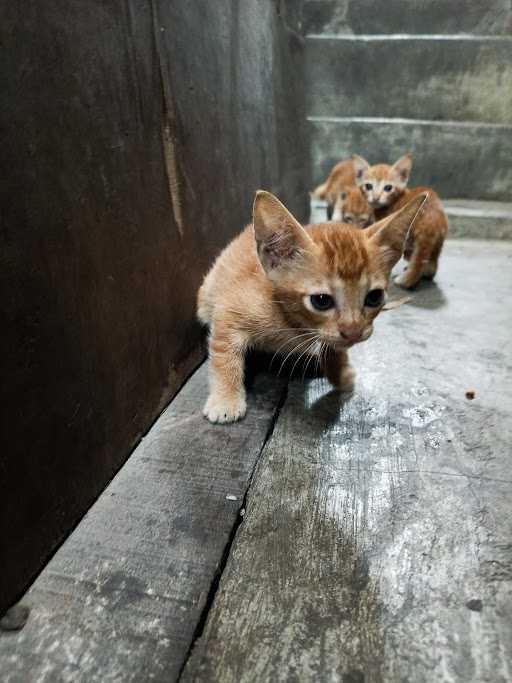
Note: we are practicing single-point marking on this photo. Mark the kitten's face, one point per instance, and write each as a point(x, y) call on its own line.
point(330, 279)
point(352, 207)
point(382, 184)
point(338, 289)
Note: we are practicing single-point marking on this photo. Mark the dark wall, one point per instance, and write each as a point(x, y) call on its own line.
point(134, 135)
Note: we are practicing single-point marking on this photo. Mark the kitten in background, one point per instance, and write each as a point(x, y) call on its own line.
point(352, 207)
point(341, 175)
point(308, 293)
point(385, 188)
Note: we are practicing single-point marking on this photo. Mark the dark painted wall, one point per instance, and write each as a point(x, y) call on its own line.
point(134, 135)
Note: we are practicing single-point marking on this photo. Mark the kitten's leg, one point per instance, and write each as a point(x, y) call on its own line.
point(410, 277)
point(336, 215)
point(338, 370)
point(430, 268)
point(226, 402)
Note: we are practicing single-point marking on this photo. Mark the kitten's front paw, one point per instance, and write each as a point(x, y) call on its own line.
point(346, 379)
point(403, 281)
point(222, 410)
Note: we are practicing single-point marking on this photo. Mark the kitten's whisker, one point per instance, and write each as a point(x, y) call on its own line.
point(294, 350)
point(309, 360)
point(273, 331)
point(311, 344)
point(325, 354)
point(308, 348)
point(319, 358)
point(288, 341)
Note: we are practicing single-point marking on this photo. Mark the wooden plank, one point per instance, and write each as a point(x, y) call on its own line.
point(118, 119)
point(122, 597)
point(376, 542)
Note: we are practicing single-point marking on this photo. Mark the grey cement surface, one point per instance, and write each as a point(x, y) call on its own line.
point(493, 17)
point(376, 542)
point(467, 218)
point(469, 160)
point(121, 599)
point(481, 220)
point(439, 77)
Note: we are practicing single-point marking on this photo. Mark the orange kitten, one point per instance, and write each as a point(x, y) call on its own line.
point(385, 188)
point(341, 175)
point(351, 207)
point(310, 292)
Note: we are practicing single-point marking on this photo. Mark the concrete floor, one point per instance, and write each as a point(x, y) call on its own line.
point(376, 545)
point(371, 543)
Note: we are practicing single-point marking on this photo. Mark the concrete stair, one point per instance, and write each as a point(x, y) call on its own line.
point(467, 218)
point(479, 220)
point(427, 77)
point(466, 78)
point(459, 159)
point(492, 17)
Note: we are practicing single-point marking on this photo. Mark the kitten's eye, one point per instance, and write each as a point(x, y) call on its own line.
point(322, 302)
point(368, 186)
point(348, 219)
point(388, 188)
point(374, 298)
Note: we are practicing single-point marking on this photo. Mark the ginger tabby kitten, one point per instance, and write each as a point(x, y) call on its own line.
point(385, 188)
point(341, 175)
point(300, 292)
point(352, 207)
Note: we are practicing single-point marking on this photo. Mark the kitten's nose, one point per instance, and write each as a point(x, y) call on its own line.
point(351, 336)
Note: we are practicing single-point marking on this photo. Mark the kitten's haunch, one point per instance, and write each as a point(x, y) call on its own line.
point(302, 292)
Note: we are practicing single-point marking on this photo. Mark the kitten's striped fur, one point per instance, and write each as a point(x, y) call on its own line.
point(260, 293)
point(385, 188)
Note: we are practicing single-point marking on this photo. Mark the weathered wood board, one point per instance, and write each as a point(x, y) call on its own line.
point(134, 134)
point(377, 542)
point(121, 599)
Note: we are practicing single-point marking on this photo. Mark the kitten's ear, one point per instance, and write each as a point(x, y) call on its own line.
point(281, 240)
point(360, 166)
point(390, 234)
point(401, 169)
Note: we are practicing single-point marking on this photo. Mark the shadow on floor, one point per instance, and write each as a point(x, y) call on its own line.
point(427, 294)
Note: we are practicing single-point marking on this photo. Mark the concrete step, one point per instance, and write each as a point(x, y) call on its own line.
point(492, 17)
point(466, 78)
point(468, 218)
point(477, 219)
point(460, 159)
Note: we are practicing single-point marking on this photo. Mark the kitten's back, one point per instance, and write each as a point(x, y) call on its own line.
point(236, 269)
point(432, 217)
point(341, 175)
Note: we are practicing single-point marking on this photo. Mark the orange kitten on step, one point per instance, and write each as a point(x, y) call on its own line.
point(310, 292)
point(341, 175)
point(351, 207)
point(385, 188)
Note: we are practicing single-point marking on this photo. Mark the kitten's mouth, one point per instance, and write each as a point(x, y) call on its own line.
point(339, 344)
